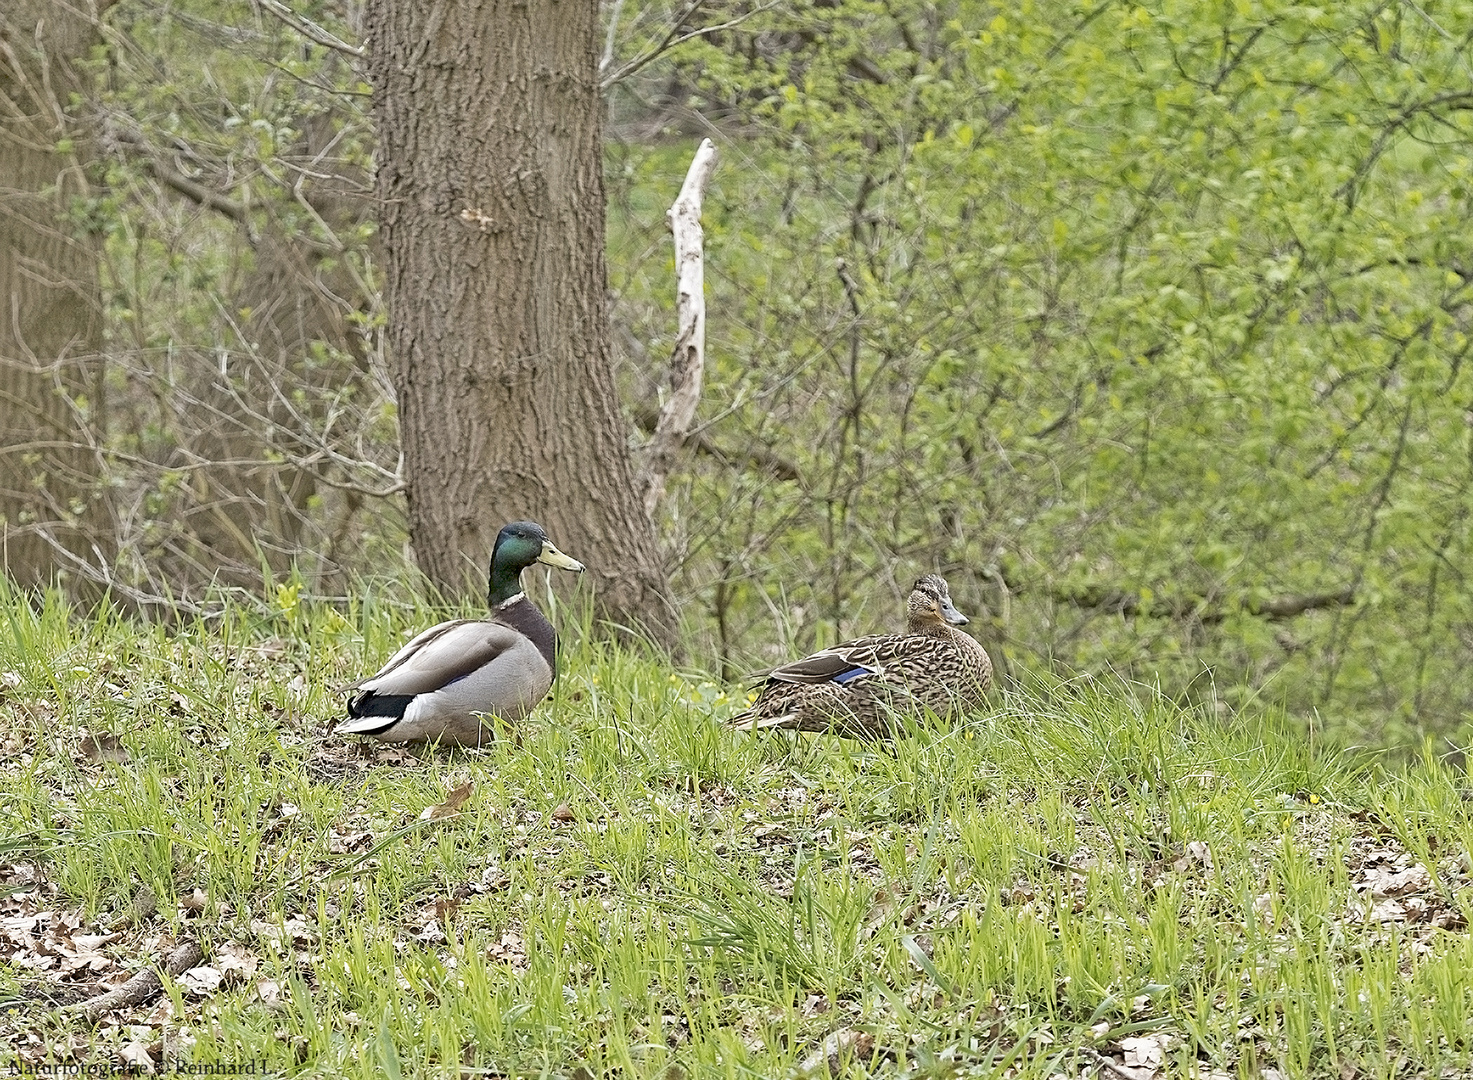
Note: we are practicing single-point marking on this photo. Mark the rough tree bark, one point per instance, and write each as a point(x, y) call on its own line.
point(50, 296)
point(490, 176)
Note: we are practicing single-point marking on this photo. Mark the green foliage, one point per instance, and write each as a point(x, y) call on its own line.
point(1142, 322)
point(637, 889)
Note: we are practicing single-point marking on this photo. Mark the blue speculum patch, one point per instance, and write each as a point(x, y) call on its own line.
point(852, 673)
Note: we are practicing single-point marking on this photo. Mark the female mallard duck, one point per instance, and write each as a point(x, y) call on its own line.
point(440, 686)
point(852, 689)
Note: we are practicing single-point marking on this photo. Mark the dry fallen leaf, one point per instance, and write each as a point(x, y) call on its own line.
point(140, 1056)
point(103, 746)
point(838, 1050)
point(450, 807)
point(1146, 1051)
point(201, 981)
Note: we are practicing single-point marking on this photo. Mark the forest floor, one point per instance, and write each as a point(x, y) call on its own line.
point(1084, 881)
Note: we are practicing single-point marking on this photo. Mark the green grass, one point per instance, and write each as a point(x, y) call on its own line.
point(1082, 874)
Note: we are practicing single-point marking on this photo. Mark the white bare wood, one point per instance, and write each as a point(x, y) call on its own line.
point(688, 361)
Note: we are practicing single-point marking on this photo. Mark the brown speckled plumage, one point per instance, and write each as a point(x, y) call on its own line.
point(853, 689)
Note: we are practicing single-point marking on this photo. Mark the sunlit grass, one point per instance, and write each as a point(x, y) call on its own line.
point(637, 890)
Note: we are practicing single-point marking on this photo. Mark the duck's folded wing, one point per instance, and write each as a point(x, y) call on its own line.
point(440, 656)
point(415, 644)
point(839, 664)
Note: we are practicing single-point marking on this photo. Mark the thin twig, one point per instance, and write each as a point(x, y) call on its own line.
point(608, 57)
point(309, 29)
point(671, 41)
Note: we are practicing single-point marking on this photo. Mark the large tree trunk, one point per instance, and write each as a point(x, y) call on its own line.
point(50, 298)
point(490, 175)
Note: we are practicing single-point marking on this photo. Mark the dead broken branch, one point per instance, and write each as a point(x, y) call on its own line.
point(140, 987)
point(688, 361)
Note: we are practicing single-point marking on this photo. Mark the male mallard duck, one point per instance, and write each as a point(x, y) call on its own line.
point(439, 686)
point(852, 688)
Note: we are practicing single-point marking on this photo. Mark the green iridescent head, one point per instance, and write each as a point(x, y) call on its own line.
point(518, 546)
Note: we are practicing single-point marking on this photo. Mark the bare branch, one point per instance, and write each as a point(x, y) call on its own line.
point(688, 361)
point(608, 56)
point(671, 40)
point(1275, 608)
point(309, 29)
point(753, 456)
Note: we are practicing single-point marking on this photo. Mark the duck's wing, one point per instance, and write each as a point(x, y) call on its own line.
point(405, 651)
point(509, 686)
point(862, 656)
point(442, 655)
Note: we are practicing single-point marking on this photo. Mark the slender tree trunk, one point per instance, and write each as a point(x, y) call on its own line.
point(50, 297)
point(490, 175)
